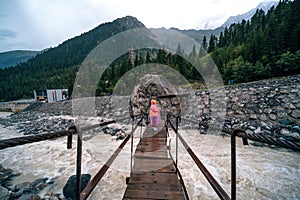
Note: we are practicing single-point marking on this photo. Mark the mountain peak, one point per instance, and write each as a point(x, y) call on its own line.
point(129, 21)
point(265, 6)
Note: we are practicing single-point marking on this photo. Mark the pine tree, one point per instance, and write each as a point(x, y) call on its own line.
point(204, 43)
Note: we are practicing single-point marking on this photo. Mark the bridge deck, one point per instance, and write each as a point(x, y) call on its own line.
point(154, 174)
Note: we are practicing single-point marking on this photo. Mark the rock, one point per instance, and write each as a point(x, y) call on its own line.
point(253, 117)
point(292, 106)
point(257, 144)
point(4, 193)
point(285, 122)
point(296, 114)
point(54, 198)
point(39, 184)
point(295, 135)
point(121, 136)
point(273, 117)
point(296, 129)
point(153, 85)
point(69, 190)
point(22, 186)
point(239, 112)
point(30, 197)
point(257, 131)
point(285, 132)
point(263, 124)
point(263, 117)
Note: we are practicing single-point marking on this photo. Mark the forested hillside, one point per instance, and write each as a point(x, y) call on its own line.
point(12, 58)
point(266, 46)
point(56, 67)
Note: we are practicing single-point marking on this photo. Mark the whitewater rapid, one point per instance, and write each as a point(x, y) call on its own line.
point(262, 172)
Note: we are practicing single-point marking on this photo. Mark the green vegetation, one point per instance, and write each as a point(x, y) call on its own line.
point(57, 67)
point(266, 46)
point(11, 58)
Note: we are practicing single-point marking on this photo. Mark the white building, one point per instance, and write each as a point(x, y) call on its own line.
point(50, 95)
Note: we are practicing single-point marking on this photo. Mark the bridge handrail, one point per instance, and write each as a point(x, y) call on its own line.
point(217, 188)
point(12, 142)
point(93, 183)
point(252, 136)
point(16, 141)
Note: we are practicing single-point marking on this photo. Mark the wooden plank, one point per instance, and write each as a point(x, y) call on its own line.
point(156, 155)
point(149, 165)
point(154, 174)
point(143, 149)
point(153, 194)
point(157, 187)
point(153, 178)
point(144, 141)
point(162, 168)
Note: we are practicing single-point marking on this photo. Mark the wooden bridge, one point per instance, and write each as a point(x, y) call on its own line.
point(154, 175)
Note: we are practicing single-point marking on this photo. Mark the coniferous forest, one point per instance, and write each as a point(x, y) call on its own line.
point(266, 46)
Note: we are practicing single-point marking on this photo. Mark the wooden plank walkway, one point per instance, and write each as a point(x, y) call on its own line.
point(154, 174)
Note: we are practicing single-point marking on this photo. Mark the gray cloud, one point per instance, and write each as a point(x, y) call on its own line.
point(41, 24)
point(7, 34)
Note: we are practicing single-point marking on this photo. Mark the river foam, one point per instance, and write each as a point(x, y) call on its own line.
point(262, 172)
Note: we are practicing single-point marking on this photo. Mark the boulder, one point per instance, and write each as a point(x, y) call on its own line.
point(4, 193)
point(152, 85)
point(296, 114)
point(69, 190)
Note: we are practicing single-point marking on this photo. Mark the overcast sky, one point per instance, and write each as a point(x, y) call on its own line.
point(40, 24)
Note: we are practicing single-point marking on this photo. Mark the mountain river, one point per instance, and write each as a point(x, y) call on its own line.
point(262, 172)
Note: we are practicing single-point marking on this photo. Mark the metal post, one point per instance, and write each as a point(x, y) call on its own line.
point(233, 165)
point(78, 165)
point(141, 127)
point(131, 156)
point(69, 142)
point(176, 142)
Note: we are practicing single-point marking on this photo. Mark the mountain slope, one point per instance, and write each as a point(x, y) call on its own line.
point(199, 34)
point(12, 58)
point(56, 67)
point(265, 6)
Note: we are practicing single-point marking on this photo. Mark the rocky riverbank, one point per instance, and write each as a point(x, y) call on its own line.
point(24, 190)
point(269, 107)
